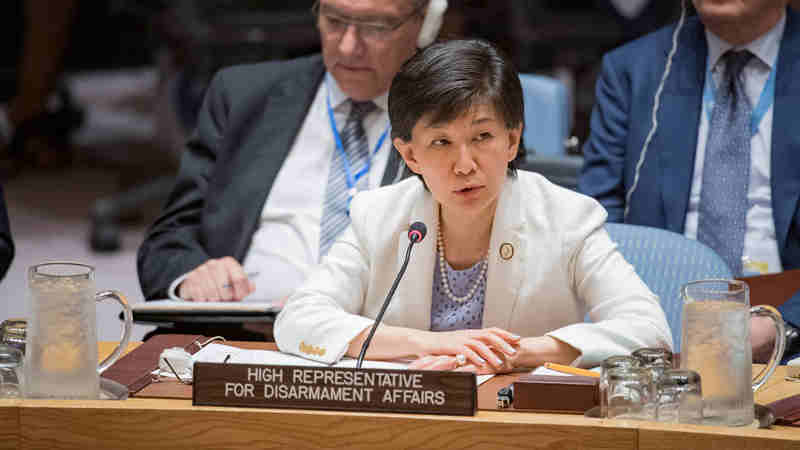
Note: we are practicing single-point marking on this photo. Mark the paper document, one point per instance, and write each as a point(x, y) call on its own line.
point(218, 352)
point(180, 306)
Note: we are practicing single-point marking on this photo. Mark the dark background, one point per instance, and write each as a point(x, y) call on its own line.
point(542, 36)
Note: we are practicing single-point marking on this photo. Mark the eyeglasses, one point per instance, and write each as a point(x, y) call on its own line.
point(336, 25)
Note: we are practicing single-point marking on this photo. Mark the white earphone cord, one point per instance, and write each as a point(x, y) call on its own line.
point(656, 107)
point(434, 15)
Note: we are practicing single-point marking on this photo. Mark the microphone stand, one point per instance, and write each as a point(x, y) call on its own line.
point(385, 305)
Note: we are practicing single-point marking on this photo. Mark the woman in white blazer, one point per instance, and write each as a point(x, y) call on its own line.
point(512, 263)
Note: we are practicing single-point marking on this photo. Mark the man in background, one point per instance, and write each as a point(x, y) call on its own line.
point(279, 150)
point(720, 164)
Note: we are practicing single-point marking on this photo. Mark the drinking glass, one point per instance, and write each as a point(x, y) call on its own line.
point(716, 345)
point(611, 363)
point(11, 379)
point(629, 393)
point(653, 355)
point(656, 370)
point(12, 333)
point(679, 397)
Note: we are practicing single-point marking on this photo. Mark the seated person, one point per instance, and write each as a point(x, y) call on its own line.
point(516, 264)
point(279, 148)
point(720, 165)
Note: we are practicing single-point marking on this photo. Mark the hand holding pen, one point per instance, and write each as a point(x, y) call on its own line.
point(217, 280)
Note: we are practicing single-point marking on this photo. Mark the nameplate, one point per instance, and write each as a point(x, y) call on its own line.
point(335, 388)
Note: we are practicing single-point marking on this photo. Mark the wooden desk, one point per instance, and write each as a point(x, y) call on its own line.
point(174, 424)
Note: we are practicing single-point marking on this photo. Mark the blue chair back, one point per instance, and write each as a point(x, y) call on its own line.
point(665, 261)
point(546, 115)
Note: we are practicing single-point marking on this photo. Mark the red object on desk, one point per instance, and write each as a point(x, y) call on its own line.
point(563, 394)
point(787, 411)
point(134, 369)
point(773, 289)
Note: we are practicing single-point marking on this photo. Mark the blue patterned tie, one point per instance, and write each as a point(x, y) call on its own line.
point(334, 211)
point(726, 168)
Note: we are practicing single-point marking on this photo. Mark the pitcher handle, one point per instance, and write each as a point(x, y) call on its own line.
point(777, 349)
point(126, 326)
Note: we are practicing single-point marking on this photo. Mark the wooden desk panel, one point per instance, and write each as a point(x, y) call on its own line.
point(776, 387)
point(684, 437)
point(104, 348)
point(9, 424)
point(172, 424)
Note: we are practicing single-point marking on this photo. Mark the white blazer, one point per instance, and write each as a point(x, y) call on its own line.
point(563, 266)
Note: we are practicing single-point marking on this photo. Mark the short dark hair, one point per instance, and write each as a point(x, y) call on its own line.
point(447, 78)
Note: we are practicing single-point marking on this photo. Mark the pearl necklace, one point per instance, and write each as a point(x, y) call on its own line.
point(443, 272)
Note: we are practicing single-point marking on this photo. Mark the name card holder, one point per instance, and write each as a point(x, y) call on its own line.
point(553, 393)
point(335, 388)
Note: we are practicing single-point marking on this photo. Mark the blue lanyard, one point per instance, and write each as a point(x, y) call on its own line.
point(764, 102)
point(351, 179)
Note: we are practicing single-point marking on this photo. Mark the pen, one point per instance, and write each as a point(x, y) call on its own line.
point(571, 370)
point(249, 275)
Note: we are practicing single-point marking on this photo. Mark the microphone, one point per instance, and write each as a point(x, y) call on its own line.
point(416, 233)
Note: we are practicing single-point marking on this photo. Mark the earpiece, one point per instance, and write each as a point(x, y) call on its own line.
point(656, 107)
point(434, 16)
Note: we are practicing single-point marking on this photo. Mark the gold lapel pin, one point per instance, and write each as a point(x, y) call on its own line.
point(311, 350)
point(506, 251)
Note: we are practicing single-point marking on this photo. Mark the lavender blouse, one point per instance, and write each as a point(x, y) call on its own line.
point(447, 315)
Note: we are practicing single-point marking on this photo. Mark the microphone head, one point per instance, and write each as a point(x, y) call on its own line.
point(417, 232)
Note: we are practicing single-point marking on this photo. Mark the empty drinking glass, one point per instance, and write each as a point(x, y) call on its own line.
point(11, 380)
point(629, 393)
point(653, 355)
point(610, 363)
point(656, 370)
point(12, 333)
point(679, 397)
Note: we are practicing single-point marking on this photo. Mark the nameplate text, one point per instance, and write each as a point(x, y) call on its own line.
point(334, 388)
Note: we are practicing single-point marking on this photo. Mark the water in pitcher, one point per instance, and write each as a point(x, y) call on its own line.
point(63, 362)
point(716, 346)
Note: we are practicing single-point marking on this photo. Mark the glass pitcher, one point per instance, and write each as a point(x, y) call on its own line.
point(61, 352)
point(716, 344)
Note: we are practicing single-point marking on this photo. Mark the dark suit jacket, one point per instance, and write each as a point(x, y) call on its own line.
point(6, 243)
point(621, 121)
point(249, 120)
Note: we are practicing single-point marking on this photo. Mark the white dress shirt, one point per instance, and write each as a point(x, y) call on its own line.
point(285, 245)
point(760, 243)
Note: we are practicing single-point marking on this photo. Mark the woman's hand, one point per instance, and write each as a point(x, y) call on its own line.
point(531, 352)
point(535, 351)
point(453, 363)
point(488, 348)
